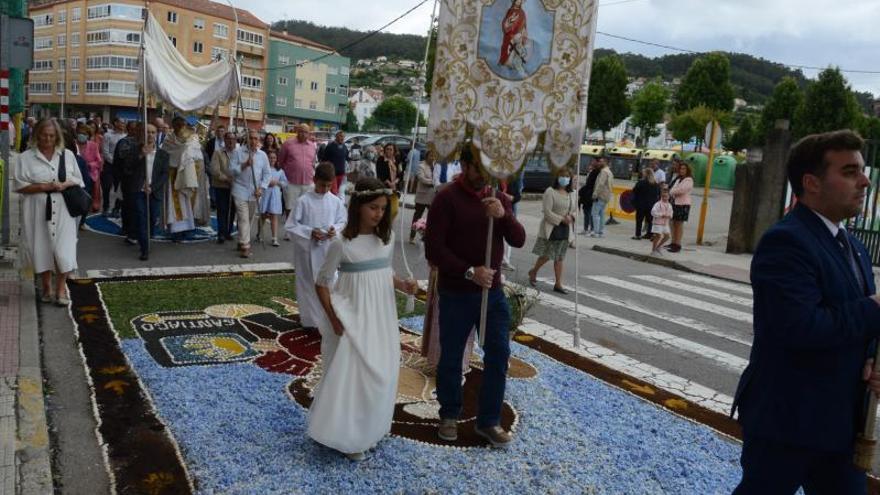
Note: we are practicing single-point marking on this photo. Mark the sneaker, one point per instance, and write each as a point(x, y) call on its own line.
point(584, 232)
point(275, 242)
point(507, 266)
point(448, 430)
point(636, 238)
point(592, 234)
point(286, 237)
point(495, 435)
point(600, 235)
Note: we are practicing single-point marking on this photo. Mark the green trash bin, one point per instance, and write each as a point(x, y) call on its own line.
point(697, 162)
point(723, 172)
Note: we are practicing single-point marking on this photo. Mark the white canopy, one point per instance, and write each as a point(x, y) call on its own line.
point(175, 81)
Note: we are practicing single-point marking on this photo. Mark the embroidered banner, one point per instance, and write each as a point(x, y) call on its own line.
point(512, 70)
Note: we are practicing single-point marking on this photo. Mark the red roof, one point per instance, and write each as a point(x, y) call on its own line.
point(302, 41)
point(203, 6)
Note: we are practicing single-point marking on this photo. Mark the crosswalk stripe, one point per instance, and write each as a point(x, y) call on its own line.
point(722, 284)
point(688, 302)
point(660, 315)
point(694, 392)
point(714, 294)
point(633, 329)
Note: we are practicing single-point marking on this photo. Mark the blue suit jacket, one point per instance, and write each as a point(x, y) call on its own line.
point(814, 327)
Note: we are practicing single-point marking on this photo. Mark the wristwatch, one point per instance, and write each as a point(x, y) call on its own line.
point(469, 274)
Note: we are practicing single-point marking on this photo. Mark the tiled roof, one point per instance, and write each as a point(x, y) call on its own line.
point(302, 41)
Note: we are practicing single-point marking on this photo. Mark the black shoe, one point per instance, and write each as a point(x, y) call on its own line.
point(636, 238)
point(144, 257)
point(560, 290)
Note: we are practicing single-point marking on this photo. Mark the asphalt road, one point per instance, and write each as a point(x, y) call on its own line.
point(687, 327)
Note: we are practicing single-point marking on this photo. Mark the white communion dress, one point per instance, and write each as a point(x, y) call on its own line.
point(354, 401)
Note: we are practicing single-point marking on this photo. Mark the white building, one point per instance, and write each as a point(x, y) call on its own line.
point(407, 64)
point(364, 102)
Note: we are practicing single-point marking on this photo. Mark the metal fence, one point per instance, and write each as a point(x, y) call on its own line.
point(866, 226)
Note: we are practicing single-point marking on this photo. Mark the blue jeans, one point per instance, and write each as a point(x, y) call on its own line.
point(588, 216)
point(459, 313)
point(140, 217)
point(598, 214)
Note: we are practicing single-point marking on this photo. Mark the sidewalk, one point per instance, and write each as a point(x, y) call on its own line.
point(24, 439)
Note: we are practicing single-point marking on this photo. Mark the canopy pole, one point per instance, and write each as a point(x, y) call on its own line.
point(147, 177)
point(407, 172)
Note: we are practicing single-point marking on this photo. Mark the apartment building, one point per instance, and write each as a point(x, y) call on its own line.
point(306, 82)
point(86, 53)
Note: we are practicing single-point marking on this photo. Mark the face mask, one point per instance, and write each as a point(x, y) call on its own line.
point(82, 138)
point(564, 181)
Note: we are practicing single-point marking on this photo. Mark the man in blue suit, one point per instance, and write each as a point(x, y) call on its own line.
point(816, 319)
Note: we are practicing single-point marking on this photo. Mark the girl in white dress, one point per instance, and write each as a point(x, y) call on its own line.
point(360, 340)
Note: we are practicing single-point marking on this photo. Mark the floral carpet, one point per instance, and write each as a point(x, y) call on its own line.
point(202, 385)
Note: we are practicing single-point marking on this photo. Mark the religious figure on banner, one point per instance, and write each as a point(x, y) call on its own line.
point(187, 202)
point(514, 44)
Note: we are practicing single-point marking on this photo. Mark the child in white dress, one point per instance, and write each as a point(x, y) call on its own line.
point(270, 202)
point(360, 340)
point(661, 213)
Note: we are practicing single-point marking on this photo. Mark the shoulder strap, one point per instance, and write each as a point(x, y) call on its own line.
point(62, 170)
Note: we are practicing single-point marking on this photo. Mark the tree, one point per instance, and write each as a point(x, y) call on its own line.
point(869, 127)
point(707, 83)
point(648, 108)
point(828, 105)
point(351, 123)
point(395, 113)
point(744, 137)
point(784, 102)
point(607, 105)
point(432, 55)
point(692, 124)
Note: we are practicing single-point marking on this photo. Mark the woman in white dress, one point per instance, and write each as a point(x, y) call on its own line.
point(49, 233)
point(360, 340)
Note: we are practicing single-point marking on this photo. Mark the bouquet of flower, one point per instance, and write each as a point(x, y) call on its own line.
point(420, 226)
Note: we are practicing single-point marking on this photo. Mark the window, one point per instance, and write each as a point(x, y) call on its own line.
point(111, 88)
point(332, 71)
point(283, 59)
point(62, 40)
point(299, 84)
point(199, 24)
point(42, 20)
point(281, 101)
point(98, 12)
point(44, 43)
point(250, 104)
point(116, 11)
point(59, 87)
point(62, 17)
point(218, 53)
point(282, 81)
point(331, 90)
point(74, 39)
point(313, 105)
point(172, 17)
point(42, 66)
point(173, 40)
point(251, 82)
point(74, 87)
point(221, 30)
point(250, 37)
point(314, 86)
point(343, 70)
point(62, 64)
point(113, 36)
point(74, 63)
point(343, 89)
point(298, 103)
point(198, 47)
point(75, 14)
point(112, 62)
point(41, 88)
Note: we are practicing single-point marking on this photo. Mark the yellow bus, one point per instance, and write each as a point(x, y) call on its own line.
point(623, 161)
point(588, 153)
point(663, 157)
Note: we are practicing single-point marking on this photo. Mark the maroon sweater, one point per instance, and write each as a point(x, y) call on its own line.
point(456, 237)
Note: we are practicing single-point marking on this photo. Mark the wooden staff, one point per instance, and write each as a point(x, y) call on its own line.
point(867, 439)
point(484, 304)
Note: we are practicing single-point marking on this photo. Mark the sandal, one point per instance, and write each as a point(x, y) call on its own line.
point(533, 280)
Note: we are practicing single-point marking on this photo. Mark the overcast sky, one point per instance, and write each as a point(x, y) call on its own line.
point(845, 33)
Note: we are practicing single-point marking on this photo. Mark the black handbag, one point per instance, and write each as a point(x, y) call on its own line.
point(560, 232)
point(76, 198)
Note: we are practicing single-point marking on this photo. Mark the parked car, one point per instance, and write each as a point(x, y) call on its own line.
point(403, 144)
point(536, 173)
point(349, 139)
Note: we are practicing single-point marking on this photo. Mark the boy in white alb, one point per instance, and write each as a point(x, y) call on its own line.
point(317, 219)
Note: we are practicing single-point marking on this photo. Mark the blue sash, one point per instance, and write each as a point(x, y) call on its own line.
point(365, 266)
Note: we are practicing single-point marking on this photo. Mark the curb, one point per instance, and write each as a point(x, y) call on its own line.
point(675, 265)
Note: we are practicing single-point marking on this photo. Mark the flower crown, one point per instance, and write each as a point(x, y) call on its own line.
point(372, 192)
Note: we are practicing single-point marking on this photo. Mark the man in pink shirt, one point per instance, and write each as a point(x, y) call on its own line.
point(297, 159)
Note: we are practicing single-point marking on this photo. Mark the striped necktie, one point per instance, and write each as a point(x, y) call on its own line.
point(843, 241)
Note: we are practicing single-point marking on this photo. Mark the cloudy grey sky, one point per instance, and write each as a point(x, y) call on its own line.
point(803, 32)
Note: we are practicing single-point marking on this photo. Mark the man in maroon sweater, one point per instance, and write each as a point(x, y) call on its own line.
point(458, 223)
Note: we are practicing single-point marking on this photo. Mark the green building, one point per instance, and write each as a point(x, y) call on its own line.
point(300, 89)
point(15, 8)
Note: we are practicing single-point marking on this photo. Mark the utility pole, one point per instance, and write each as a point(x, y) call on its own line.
point(4, 130)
